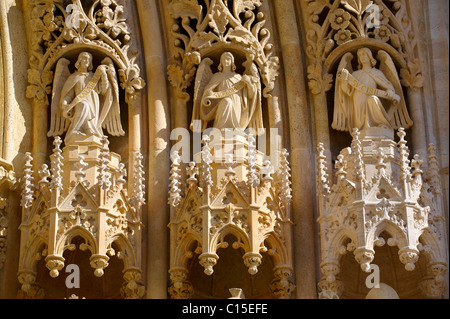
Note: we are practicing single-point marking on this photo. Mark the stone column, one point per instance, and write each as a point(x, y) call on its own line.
point(158, 164)
point(300, 135)
point(16, 116)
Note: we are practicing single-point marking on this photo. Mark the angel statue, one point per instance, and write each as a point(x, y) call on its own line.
point(359, 94)
point(231, 100)
point(84, 102)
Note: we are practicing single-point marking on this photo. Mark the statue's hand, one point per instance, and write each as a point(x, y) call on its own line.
point(396, 98)
point(344, 74)
point(393, 96)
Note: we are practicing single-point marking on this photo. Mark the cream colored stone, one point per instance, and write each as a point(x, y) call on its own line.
point(161, 229)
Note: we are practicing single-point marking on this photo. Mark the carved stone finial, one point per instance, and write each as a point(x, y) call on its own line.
point(208, 261)
point(266, 171)
point(207, 160)
point(236, 293)
point(252, 261)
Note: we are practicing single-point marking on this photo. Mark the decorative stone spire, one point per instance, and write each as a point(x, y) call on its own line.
point(253, 178)
point(206, 163)
point(285, 178)
point(175, 184)
point(28, 183)
point(137, 187)
point(57, 165)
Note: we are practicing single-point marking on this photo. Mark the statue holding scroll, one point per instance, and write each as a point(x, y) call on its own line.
point(229, 99)
point(369, 97)
point(85, 102)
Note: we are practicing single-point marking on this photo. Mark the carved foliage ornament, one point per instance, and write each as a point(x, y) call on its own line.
point(59, 26)
point(204, 26)
point(384, 23)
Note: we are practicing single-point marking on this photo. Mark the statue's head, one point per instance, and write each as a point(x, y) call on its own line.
point(364, 54)
point(84, 60)
point(227, 61)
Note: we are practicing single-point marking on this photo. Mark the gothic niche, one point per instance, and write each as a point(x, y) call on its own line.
point(222, 62)
point(379, 195)
point(81, 201)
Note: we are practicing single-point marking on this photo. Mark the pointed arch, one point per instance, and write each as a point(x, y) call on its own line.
point(65, 240)
point(243, 240)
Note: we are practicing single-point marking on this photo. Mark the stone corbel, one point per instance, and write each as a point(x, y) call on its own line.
point(329, 286)
point(435, 286)
point(132, 287)
point(180, 288)
point(282, 286)
point(30, 289)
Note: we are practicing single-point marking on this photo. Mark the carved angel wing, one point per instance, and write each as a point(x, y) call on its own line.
point(204, 75)
point(397, 112)
point(110, 116)
point(340, 114)
point(58, 124)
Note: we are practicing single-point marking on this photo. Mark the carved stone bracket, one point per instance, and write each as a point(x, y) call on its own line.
point(181, 288)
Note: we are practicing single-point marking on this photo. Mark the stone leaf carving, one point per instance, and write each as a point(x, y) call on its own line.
point(369, 21)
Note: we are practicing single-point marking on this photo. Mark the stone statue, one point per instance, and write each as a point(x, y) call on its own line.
point(84, 102)
point(229, 99)
point(369, 97)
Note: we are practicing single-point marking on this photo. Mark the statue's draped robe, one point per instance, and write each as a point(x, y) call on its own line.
point(239, 110)
point(86, 116)
point(363, 110)
point(85, 113)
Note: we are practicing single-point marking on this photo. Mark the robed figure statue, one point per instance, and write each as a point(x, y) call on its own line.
point(231, 100)
point(369, 97)
point(85, 102)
